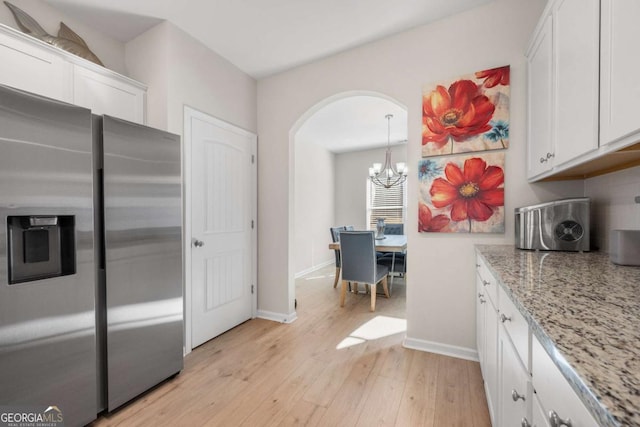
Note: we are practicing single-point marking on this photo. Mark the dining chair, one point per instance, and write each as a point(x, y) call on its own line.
point(359, 264)
point(395, 229)
point(397, 265)
point(335, 237)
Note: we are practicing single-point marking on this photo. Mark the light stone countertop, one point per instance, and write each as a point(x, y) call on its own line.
point(586, 308)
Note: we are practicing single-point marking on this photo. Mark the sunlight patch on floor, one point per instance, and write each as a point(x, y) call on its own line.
point(325, 276)
point(376, 328)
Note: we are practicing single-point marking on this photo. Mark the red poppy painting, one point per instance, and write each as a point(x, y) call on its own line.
point(462, 194)
point(468, 114)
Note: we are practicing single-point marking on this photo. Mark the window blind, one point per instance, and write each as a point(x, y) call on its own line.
point(387, 203)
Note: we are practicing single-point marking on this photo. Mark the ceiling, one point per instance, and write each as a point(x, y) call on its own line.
point(264, 37)
point(355, 123)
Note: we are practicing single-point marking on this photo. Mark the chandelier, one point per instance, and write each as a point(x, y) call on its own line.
point(387, 175)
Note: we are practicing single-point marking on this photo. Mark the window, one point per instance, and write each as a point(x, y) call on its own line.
point(387, 203)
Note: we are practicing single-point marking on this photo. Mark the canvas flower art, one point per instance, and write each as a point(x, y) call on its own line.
point(468, 114)
point(462, 194)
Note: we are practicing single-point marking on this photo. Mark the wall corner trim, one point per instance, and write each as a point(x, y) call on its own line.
point(439, 348)
point(277, 317)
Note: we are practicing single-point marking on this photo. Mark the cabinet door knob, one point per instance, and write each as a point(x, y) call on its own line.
point(482, 301)
point(556, 421)
point(485, 282)
point(198, 243)
point(477, 265)
point(515, 396)
point(525, 423)
point(542, 160)
point(550, 155)
point(504, 318)
point(480, 295)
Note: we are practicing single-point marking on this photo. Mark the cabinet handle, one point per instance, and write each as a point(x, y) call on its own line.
point(477, 265)
point(504, 318)
point(482, 301)
point(515, 396)
point(485, 282)
point(546, 159)
point(556, 421)
point(525, 423)
point(480, 295)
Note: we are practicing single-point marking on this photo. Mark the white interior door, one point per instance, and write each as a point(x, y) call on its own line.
point(222, 185)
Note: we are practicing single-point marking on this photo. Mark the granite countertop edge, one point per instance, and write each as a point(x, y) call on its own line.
point(586, 395)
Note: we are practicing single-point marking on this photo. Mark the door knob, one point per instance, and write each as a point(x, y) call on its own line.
point(198, 243)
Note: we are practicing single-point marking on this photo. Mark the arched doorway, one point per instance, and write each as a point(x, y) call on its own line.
point(333, 144)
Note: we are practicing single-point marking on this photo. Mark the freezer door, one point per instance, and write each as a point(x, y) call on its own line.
point(143, 241)
point(47, 318)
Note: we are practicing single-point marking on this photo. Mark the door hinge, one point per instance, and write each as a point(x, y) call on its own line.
point(252, 289)
point(253, 158)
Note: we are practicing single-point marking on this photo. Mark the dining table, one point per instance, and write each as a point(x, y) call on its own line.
point(394, 243)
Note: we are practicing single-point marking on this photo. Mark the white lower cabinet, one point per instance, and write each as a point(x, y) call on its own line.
point(487, 335)
point(559, 403)
point(524, 387)
point(538, 418)
point(515, 387)
point(515, 378)
point(481, 324)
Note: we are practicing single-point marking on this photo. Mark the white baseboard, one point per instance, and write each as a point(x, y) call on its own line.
point(314, 268)
point(439, 348)
point(277, 317)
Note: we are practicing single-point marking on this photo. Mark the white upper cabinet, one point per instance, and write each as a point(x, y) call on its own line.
point(576, 31)
point(108, 95)
point(34, 66)
point(563, 66)
point(539, 63)
point(620, 71)
point(594, 126)
point(29, 67)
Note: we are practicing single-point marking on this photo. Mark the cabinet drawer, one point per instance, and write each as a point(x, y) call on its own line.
point(516, 327)
point(487, 280)
point(539, 418)
point(554, 392)
point(515, 388)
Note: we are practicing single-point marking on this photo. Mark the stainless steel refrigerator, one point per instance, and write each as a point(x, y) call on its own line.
point(90, 258)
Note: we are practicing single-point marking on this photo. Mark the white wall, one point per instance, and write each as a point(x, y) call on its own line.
point(352, 171)
point(182, 71)
point(147, 59)
point(339, 198)
point(110, 51)
point(440, 292)
point(314, 205)
point(613, 206)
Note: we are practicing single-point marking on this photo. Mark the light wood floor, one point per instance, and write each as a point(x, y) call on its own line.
point(321, 370)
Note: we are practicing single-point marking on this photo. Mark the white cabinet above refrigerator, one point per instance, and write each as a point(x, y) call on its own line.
point(35, 66)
